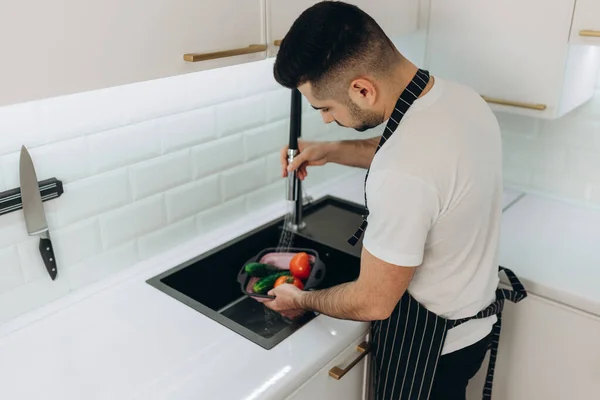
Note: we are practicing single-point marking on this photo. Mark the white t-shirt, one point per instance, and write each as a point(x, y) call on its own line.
point(434, 194)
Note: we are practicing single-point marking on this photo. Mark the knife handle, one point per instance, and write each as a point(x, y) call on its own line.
point(47, 253)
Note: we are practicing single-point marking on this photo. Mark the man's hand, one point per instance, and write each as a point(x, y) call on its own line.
point(287, 301)
point(373, 296)
point(310, 154)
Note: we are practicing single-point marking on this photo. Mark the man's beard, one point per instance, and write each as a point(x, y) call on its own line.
point(367, 119)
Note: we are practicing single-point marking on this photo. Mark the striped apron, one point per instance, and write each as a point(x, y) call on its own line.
point(407, 346)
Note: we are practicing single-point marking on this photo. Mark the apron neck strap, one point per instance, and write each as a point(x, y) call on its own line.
point(408, 96)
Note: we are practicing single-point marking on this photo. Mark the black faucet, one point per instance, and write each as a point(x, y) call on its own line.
point(294, 185)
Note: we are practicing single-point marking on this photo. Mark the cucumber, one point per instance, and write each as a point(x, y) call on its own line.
point(265, 284)
point(260, 270)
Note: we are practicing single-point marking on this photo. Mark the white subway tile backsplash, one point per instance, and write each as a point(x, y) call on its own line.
point(265, 140)
point(274, 169)
point(564, 184)
point(518, 150)
point(3, 186)
point(241, 115)
point(275, 192)
point(192, 198)
point(166, 238)
point(187, 129)
point(517, 124)
point(31, 260)
point(249, 85)
point(160, 174)
point(279, 105)
point(11, 274)
point(18, 127)
point(67, 161)
point(584, 162)
point(549, 157)
point(517, 174)
point(145, 167)
point(218, 155)
point(313, 127)
point(573, 132)
point(74, 115)
point(559, 157)
point(221, 215)
point(93, 196)
point(85, 234)
point(214, 86)
point(243, 179)
point(124, 146)
point(12, 229)
point(102, 265)
point(130, 222)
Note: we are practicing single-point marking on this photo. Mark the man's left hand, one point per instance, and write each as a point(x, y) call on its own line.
point(287, 301)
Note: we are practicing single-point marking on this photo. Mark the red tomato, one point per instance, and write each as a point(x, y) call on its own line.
point(282, 280)
point(300, 266)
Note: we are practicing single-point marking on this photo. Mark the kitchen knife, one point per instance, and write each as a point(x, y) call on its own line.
point(35, 218)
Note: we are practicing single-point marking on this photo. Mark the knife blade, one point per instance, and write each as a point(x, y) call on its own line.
point(33, 209)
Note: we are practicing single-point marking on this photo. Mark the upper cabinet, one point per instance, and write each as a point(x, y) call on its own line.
point(515, 53)
point(397, 18)
point(586, 22)
point(52, 48)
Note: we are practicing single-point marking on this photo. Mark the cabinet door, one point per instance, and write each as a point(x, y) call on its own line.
point(547, 351)
point(350, 387)
point(397, 18)
point(586, 22)
point(52, 48)
point(511, 51)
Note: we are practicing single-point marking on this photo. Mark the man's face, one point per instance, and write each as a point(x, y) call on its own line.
point(347, 114)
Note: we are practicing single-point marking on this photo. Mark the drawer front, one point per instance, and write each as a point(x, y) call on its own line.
point(342, 378)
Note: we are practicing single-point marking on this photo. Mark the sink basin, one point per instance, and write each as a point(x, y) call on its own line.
point(208, 283)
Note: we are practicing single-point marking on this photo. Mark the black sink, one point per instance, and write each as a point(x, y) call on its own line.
point(208, 283)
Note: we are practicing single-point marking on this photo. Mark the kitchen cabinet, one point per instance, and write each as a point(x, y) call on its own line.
point(515, 53)
point(397, 18)
point(586, 22)
point(351, 386)
point(67, 46)
point(547, 351)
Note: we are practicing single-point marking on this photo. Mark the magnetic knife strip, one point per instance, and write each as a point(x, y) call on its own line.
point(10, 200)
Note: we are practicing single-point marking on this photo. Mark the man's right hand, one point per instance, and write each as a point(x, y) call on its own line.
point(310, 154)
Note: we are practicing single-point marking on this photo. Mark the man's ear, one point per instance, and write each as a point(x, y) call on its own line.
point(363, 92)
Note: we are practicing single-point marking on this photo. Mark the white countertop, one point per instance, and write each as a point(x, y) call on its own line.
point(554, 248)
point(123, 339)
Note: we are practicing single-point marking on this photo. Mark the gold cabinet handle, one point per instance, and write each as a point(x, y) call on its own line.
point(277, 42)
point(539, 107)
point(589, 33)
point(195, 57)
point(338, 373)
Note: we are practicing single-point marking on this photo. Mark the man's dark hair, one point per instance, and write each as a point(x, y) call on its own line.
point(329, 45)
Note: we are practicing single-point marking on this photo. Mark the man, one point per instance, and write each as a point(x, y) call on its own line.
point(434, 194)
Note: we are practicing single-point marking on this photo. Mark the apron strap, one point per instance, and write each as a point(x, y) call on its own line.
point(408, 96)
point(515, 295)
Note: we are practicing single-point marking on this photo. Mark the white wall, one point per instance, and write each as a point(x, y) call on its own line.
point(560, 158)
point(145, 167)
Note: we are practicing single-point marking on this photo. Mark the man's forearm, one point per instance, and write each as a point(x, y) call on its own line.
point(354, 153)
point(343, 302)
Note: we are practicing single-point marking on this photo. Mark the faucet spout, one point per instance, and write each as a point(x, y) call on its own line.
point(293, 181)
point(294, 185)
